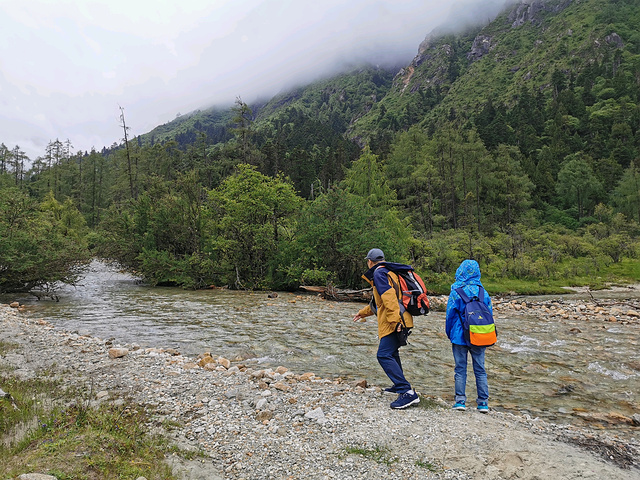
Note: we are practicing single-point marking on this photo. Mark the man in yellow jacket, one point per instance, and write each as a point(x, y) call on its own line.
point(387, 308)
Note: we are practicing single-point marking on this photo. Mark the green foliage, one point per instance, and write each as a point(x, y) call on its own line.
point(523, 155)
point(577, 184)
point(39, 244)
point(336, 230)
point(252, 216)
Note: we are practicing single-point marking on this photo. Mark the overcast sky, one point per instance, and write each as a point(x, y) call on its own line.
point(67, 66)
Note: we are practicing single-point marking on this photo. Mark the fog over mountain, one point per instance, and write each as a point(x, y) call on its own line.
point(68, 66)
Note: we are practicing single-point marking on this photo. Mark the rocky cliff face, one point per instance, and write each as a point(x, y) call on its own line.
point(431, 66)
point(533, 10)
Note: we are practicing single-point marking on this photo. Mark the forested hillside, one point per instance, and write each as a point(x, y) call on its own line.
point(516, 143)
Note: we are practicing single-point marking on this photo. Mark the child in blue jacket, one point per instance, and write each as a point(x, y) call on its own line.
point(467, 278)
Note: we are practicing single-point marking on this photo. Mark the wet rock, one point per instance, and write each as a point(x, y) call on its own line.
point(612, 417)
point(14, 304)
point(633, 313)
point(117, 352)
point(272, 295)
point(565, 389)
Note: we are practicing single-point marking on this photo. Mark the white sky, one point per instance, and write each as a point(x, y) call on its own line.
point(66, 66)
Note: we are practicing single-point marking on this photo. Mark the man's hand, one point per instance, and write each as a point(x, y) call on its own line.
point(358, 318)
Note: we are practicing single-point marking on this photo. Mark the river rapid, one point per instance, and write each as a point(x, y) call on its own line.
point(569, 371)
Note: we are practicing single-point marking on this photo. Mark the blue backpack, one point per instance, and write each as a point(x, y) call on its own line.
point(477, 320)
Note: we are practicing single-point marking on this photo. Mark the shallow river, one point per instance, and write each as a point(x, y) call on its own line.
point(539, 367)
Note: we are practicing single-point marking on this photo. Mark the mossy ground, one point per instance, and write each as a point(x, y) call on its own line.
point(53, 430)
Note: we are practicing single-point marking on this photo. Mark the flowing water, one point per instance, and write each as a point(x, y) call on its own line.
point(540, 367)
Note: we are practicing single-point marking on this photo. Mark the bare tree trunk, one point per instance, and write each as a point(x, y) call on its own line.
point(126, 145)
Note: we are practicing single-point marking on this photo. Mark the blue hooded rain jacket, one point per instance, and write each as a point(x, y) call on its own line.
point(467, 277)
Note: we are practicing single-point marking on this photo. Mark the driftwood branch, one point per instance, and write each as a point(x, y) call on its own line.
point(330, 292)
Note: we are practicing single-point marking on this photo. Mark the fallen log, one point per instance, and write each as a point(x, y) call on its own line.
point(330, 292)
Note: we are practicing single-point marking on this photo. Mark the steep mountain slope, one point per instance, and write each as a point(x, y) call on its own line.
point(454, 75)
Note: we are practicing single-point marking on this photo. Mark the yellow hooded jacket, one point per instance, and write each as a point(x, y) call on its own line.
point(388, 308)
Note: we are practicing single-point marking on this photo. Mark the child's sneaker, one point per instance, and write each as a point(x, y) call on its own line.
point(459, 406)
point(483, 408)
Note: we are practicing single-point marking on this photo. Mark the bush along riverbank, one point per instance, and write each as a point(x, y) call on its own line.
point(207, 417)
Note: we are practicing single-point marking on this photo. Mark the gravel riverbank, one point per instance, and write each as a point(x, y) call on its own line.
point(252, 423)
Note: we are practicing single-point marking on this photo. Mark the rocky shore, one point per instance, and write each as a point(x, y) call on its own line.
point(256, 423)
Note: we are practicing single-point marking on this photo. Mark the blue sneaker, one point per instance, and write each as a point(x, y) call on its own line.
point(459, 406)
point(405, 400)
point(483, 408)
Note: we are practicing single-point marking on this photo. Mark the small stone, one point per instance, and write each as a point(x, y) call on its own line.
point(117, 352)
point(206, 359)
point(361, 383)
point(35, 476)
point(283, 387)
point(226, 363)
point(14, 304)
point(264, 416)
point(282, 370)
point(315, 414)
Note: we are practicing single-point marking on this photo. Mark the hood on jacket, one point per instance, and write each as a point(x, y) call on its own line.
point(468, 273)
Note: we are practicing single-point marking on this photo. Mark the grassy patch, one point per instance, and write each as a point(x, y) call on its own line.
point(48, 430)
point(377, 454)
point(428, 403)
point(28, 401)
point(624, 272)
point(6, 347)
point(428, 465)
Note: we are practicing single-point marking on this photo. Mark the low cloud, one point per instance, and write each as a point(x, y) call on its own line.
point(66, 66)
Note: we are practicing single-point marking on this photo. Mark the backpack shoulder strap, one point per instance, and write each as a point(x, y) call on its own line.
point(465, 298)
point(481, 294)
